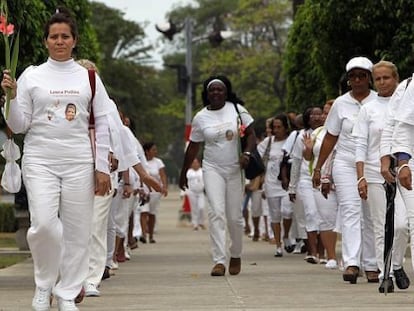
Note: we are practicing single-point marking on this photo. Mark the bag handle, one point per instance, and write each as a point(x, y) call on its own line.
point(92, 82)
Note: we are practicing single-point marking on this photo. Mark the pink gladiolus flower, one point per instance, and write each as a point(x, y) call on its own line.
point(11, 47)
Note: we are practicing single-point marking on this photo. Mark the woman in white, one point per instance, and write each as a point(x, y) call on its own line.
point(358, 250)
point(367, 130)
point(301, 183)
point(278, 200)
point(60, 178)
point(156, 169)
point(325, 198)
point(218, 126)
point(195, 194)
point(388, 142)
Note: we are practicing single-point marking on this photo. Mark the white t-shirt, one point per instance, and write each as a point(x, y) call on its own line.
point(290, 141)
point(154, 166)
point(195, 180)
point(340, 122)
point(367, 131)
point(218, 129)
point(272, 185)
point(297, 153)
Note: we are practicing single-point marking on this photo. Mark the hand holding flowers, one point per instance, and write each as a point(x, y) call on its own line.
point(7, 31)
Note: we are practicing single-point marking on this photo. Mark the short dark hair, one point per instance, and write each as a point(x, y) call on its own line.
point(62, 15)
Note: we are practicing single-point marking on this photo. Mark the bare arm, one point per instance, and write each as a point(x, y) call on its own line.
point(190, 154)
point(328, 143)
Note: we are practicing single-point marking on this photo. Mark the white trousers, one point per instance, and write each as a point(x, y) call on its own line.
point(327, 209)
point(256, 203)
point(98, 241)
point(224, 193)
point(123, 210)
point(111, 230)
point(408, 198)
point(306, 195)
point(358, 243)
point(61, 206)
point(377, 203)
point(299, 222)
point(197, 207)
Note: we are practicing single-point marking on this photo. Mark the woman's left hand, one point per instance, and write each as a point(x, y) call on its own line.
point(102, 183)
point(363, 189)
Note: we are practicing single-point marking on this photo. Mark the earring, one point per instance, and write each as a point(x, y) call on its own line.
point(348, 83)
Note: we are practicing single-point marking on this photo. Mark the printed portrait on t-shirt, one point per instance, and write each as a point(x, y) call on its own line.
point(70, 111)
point(229, 134)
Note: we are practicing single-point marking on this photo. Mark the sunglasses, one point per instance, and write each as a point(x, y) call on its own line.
point(360, 75)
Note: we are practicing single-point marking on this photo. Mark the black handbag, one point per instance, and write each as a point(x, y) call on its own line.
point(255, 166)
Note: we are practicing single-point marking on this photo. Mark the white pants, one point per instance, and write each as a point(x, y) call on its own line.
point(197, 207)
point(299, 222)
point(327, 209)
point(154, 203)
point(111, 230)
point(61, 205)
point(358, 243)
point(306, 195)
point(98, 241)
point(279, 208)
point(408, 198)
point(123, 210)
point(256, 203)
point(224, 193)
point(377, 203)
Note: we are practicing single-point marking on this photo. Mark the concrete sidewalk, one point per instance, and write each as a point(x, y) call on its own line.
point(174, 274)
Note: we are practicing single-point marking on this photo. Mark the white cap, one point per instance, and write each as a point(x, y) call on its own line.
point(359, 62)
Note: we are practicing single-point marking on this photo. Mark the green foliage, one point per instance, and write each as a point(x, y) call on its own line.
point(326, 34)
point(30, 16)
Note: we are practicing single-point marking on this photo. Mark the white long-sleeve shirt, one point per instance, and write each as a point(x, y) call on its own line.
point(39, 110)
point(392, 108)
point(367, 131)
point(340, 122)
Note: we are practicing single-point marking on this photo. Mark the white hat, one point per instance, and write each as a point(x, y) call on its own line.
point(359, 62)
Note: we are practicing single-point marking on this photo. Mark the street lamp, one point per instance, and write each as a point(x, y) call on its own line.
point(169, 30)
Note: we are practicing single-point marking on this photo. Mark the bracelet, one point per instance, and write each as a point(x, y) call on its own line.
point(401, 167)
point(317, 170)
point(360, 179)
point(247, 153)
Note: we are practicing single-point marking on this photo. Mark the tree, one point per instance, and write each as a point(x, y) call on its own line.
point(252, 58)
point(29, 16)
point(331, 32)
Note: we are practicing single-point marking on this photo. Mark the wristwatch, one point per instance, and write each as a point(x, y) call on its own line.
point(248, 153)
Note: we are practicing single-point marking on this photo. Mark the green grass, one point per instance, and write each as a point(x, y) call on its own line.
point(9, 260)
point(7, 240)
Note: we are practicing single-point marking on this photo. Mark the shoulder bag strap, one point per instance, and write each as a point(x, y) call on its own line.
point(92, 82)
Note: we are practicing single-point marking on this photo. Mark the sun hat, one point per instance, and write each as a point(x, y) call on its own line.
point(359, 62)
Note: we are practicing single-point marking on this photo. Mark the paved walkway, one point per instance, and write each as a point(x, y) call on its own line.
point(174, 274)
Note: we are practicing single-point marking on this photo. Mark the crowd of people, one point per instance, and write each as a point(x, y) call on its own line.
point(325, 170)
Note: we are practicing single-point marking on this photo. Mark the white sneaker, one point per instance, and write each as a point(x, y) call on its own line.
point(41, 299)
point(115, 265)
point(67, 305)
point(128, 253)
point(298, 247)
point(91, 290)
point(331, 264)
point(279, 252)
